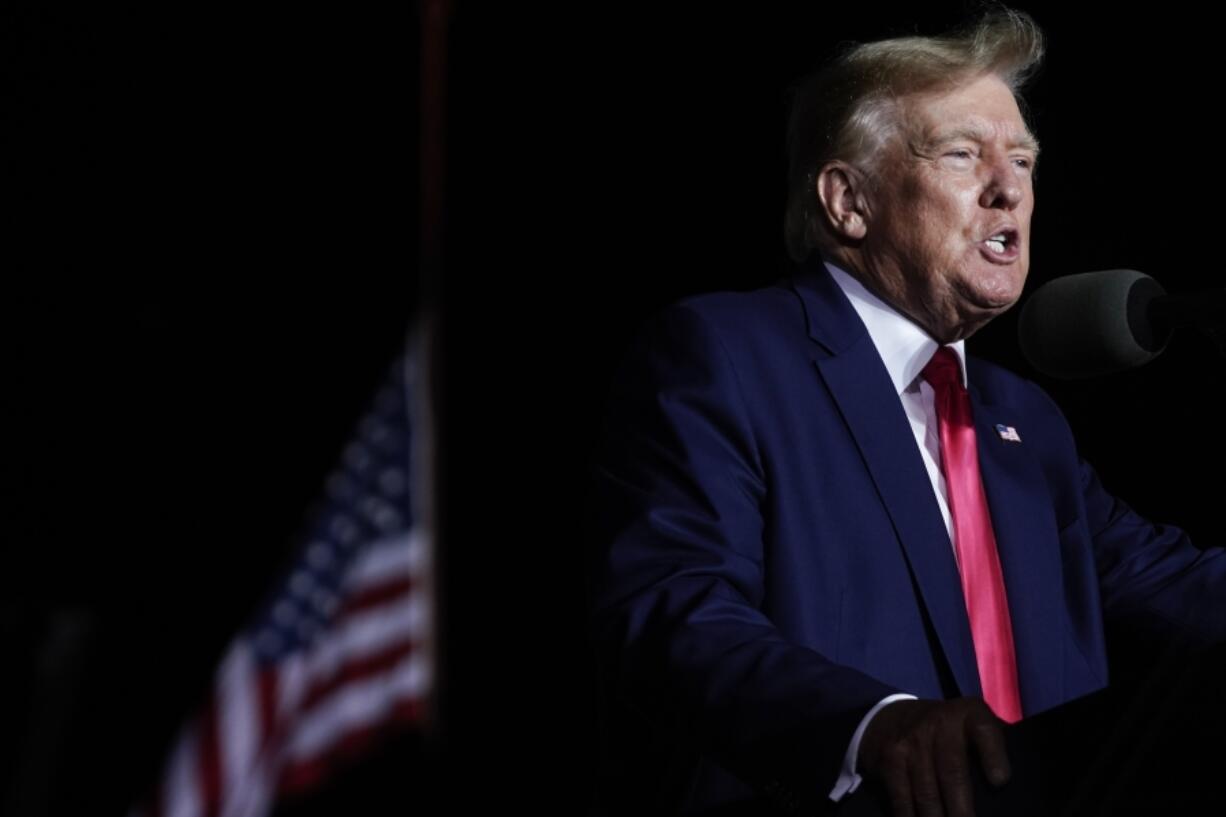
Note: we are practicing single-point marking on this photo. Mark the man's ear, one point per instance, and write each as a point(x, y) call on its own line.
point(841, 190)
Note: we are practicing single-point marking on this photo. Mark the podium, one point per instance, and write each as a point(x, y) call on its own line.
point(1154, 743)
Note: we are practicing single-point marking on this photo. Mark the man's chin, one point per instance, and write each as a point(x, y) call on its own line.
point(976, 314)
point(989, 304)
point(991, 308)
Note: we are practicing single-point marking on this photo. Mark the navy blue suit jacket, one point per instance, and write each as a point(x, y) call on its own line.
point(770, 560)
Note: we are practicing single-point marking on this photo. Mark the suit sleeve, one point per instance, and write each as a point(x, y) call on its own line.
point(1154, 583)
point(680, 557)
point(1152, 577)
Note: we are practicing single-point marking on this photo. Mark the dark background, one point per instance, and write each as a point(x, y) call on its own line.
point(213, 255)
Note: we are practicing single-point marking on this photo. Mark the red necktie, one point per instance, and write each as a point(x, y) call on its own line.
point(982, 582)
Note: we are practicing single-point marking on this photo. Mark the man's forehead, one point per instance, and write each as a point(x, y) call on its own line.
point(980, 111)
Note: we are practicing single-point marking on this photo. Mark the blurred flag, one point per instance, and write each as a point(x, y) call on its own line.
point(341, 651)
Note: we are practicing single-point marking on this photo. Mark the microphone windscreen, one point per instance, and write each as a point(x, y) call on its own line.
point(1091, 324)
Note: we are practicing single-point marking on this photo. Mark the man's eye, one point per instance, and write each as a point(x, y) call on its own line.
point(961, 153)
point(1023, 163)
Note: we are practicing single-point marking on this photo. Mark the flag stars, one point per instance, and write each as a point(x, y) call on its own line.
point(358, 458)
point(344, 530)
point(284, 614)
point(306, 628)
point(393, 482)
point(369, 427)
point(381, 436)
point(324, 602)
point(320, 556)
point(341, 487)
point(301, 584)
point(387, 400)
point(382, 515)
point(268, 643)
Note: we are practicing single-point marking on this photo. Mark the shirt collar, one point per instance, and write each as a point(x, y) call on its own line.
point(904, 347)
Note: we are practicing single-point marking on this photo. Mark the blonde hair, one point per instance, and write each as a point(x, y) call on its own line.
point(849, 109)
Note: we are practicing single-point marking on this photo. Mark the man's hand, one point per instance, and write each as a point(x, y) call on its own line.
point(919, 751)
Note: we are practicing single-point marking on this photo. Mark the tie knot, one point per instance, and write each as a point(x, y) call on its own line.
point(943, 369)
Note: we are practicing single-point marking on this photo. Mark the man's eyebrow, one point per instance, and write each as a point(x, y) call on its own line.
point(1025, 141)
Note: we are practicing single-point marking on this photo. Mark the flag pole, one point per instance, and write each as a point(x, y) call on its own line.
point(435, 16)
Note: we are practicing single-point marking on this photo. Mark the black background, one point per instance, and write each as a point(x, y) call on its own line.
point(212, 257)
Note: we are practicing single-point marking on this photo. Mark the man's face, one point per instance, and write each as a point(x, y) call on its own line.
point(948, 231)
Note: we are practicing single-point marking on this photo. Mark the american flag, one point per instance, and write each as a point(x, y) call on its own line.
point(342, 648)
point(1008, 433)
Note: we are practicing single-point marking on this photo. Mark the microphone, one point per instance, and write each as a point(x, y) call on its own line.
point(1097, 323)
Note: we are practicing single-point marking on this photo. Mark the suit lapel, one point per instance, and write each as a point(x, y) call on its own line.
point(1025, 532)
point(857, 379)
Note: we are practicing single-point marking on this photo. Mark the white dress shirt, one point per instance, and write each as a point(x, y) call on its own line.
point(905, 350)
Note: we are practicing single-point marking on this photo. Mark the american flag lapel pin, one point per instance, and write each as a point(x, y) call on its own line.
point(1008, 433)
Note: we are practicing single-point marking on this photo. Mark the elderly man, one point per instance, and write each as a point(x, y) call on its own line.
point(829, 544)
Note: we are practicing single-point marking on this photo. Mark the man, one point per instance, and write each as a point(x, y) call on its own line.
point(829, 544)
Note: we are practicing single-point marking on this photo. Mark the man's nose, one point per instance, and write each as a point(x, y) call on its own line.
point(1004, 186)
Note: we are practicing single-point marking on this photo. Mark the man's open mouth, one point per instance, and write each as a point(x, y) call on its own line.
point(1003, 244)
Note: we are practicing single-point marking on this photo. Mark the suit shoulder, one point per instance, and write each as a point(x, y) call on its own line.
point(727, 331)
point(737, 314)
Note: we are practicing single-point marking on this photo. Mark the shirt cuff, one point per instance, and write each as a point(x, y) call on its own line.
point(848, 780)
